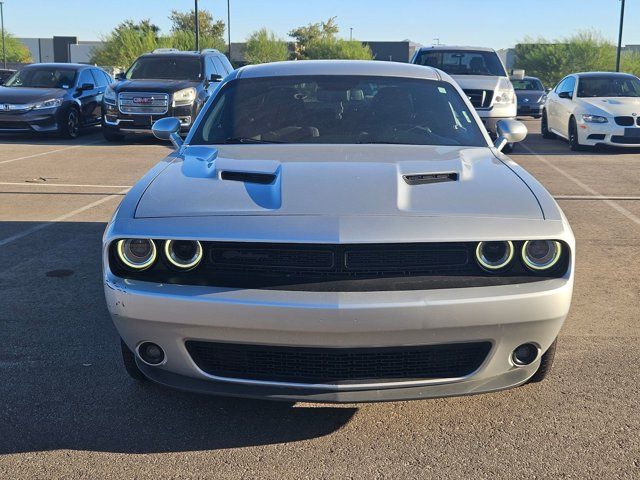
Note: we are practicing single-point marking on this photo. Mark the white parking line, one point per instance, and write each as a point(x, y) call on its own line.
point(49, 152)
point(617, 207)
point(592, 197)
point(61, 218)
point(47, 184)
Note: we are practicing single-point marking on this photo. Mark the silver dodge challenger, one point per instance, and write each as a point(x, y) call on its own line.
point(338, 231)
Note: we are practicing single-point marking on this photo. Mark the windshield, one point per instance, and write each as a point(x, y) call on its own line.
point(166, 68)
point(458, 62)
point(528, 84)
point(338, 110)
point(609, 86)
point(43, 77)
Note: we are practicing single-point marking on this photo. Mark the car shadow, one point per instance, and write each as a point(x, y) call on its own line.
point(63, 385)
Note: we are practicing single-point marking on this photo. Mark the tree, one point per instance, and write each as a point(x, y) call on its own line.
point(583, 52)
point(127, 42)
point(16, 51)
point(185, 22)
point(332, 48)
point(263, 46)
point(313, 32)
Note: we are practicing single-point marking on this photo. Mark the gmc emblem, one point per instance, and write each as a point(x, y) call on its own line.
point(142, 99)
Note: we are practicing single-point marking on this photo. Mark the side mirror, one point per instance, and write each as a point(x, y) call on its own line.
point(509, 131)
point(168, 128)
point(565, 95)
point(86, 87)
point(215, 78)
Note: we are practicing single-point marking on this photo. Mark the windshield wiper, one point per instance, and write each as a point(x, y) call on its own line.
point(248, 140)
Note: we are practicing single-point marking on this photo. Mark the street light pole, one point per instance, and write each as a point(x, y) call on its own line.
point(620, 37)
point(197, 19)
point(4, 51)
point(350, 33)
point(229, 27)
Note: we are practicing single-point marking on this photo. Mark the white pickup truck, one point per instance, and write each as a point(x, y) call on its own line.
point(481, 75)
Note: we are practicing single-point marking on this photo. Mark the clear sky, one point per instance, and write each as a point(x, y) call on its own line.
point(492, 23)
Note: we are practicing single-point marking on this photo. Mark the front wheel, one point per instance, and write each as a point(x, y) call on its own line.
point(574, 140)
point(70, 124)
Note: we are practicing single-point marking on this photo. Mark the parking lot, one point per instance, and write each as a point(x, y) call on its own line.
point(69, 409)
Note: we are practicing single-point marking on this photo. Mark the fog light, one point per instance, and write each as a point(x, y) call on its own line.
point(525, 354)
point(494, 255)
point(137, 253)
point(183, 254)
point(151, 353)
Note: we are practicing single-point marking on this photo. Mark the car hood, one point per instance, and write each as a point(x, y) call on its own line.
point(337, 181)
point(613, 106)
point(27, 95)
point(160, 86)
point(477, 82)
point(529, 96)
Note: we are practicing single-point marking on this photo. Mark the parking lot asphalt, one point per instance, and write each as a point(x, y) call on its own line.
point(69, 410)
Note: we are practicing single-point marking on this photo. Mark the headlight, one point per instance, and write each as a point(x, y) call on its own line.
point(52, 103)
point(185, 96)
point(137, 253)
point(594, 119)
point(494, 255)
point(183, 254)
point(542, 99)
point(109, 95)
point(541, 254)
point(504, 94)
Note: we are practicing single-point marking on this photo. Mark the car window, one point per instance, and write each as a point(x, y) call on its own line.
point(220, 70)
point(460, 62)
point(339, 110)
point(527, 84)
point(227, 65)
point(166, 67)
point(86, 77)
point(107, 77)
point(43, 77)
point(609, 86)
point(99, 78)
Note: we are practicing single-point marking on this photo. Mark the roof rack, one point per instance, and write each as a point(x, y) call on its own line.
point(165, 50)
point(209, 50)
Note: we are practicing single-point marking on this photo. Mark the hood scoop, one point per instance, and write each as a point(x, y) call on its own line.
point(427, 178)
point(249, 177)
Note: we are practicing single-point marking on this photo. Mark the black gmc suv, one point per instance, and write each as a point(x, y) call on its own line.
point(165, 83)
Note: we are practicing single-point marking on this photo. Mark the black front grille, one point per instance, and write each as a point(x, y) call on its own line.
point(338, 365)
point(625, 140)
point(624, 121)
point(480, 98)
point(14, 126)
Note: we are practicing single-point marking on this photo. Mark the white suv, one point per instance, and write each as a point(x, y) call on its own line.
point(481, 75)
point(594, 108)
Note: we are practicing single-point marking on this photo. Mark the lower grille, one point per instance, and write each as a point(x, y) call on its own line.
point(14, 126)
point(480, 98)
point(142, 103)
point(625, 140)
point(338, 365)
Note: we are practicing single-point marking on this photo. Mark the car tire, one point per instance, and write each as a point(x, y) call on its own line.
point(111, 136)
point(574, 140)
point(544, 128)
point(545, 364)
point(70, 123)
point(129, 360)
point(537, 116)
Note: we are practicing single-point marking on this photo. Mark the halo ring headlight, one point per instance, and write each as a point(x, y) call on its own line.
point(541, 254)
point(183, 254)
point(137, 253)
point(493, 256)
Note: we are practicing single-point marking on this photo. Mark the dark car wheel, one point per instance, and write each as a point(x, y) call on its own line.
point(574, 141)
point(545, 364)
point(544, 127)
point(70, 124)
point(129, 360)
point(112, 136)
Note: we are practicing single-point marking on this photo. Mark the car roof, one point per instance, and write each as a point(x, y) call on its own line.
point(527, 77)
point(457, 47)
point(603, 74)
point(77, 66)
point(341, 67)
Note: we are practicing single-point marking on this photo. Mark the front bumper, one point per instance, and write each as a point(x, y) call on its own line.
point(492, 115)
point(38, 121)
point(119, 122)
point(530, 109)
point(506, 316)
point(608, 134)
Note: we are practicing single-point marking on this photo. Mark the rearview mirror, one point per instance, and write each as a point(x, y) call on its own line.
point(215, 78)
point(168, 129)
point(509, 131)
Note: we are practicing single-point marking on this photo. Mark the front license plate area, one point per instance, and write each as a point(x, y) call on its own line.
point(632, 132)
